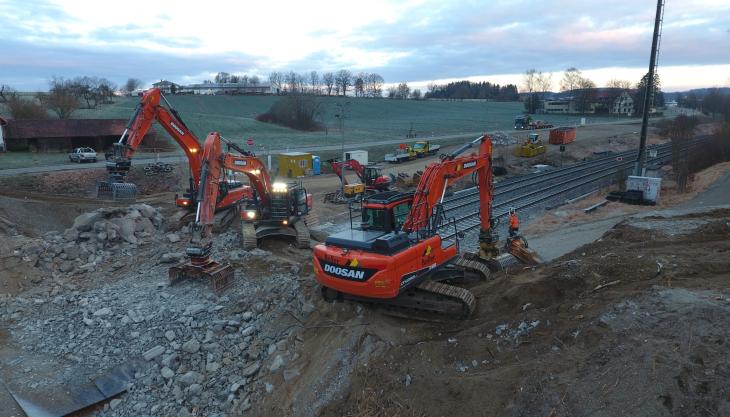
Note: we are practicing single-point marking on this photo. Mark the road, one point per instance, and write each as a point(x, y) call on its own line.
point(177, 159)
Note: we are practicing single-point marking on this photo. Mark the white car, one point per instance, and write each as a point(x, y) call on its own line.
point(82, 155)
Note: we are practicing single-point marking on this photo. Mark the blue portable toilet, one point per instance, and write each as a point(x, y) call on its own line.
point(316, 165)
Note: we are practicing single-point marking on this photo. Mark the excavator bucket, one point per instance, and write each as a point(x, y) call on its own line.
point(116, 191)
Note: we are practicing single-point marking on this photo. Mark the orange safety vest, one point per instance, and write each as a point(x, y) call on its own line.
point(514, 223)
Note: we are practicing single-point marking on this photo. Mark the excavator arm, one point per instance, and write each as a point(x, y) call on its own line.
point(431, 188)
point(148, 111)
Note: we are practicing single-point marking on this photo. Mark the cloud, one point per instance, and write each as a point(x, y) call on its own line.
point(402, 40)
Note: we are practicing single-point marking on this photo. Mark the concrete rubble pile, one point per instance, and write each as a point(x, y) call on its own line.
point(201, 353)
point(93, 238)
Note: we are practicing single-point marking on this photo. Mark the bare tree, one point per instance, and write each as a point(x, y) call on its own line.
point(314, 81)
point(343, 79)
point(529, 80)
point(392, 92)
point(432, 87)
point(586, 94)
point(681, 130)
point(544, 81)
point(416, 94)
point(328, 79)
point(360, 84)
point(254, 80)
point(132, 85)
point(63, 96)
point(571, 79)
point(374, 85)
point(616, 83)
point(5, 92)
point(403, 91)
point(276, 79)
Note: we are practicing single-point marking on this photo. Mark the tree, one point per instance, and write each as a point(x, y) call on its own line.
point(374, 85)
point(416, 94)
point(529, 80)
point(680, 132)
point(431, 88)
point(343, 80)
point(132, 85)
point(403, 91)
point(276, 79)
point(586, 94)
point(60, 101)
point(5, 92)
point(571, 79)
point(544, 81)
point(616, 83)
point(294, 111)
point(360, 85)
point(254, 80)
point(328, 79)
point(314, 81)
point(657, 99)
point(392, 92)
point(20, 108)
point(222, 78)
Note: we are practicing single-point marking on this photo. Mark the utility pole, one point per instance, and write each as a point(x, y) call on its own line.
point(341, 116)
point(648, 94)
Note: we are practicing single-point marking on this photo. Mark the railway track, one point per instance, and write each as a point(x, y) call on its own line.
point(529, 191)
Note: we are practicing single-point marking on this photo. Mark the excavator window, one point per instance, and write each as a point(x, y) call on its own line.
point(375, 219)
point(400, 214)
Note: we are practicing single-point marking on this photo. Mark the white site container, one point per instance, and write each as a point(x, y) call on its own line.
point(359, 156)
point(649, 185)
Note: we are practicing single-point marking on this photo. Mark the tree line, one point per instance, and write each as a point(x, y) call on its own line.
point(461, 90)
point(329, 83)
point(715, 102)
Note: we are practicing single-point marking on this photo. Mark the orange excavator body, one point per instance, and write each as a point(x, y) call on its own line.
point(398, 245)
point(368, 175)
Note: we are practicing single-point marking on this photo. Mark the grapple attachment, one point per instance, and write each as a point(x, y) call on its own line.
point(200, 266)
point(117, 191)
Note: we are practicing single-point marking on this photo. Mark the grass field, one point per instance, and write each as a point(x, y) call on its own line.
point(367, 119)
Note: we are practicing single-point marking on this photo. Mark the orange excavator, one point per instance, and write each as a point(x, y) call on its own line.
point(397, 256)
point(273, 209)
point(369, 175)
point(149, 110)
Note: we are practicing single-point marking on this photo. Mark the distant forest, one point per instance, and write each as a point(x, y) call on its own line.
point(461, 90)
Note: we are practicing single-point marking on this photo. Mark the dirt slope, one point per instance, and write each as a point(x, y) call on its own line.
point(629, 325)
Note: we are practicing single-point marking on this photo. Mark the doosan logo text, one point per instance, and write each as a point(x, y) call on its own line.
point(344, 272)
point(469, 164)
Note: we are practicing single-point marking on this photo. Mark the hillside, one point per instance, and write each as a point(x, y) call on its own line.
point(368, 119)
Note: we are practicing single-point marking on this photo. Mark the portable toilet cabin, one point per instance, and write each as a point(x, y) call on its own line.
point(294, 164)
point(3, 123)
point(359, 156)
point(316, 165)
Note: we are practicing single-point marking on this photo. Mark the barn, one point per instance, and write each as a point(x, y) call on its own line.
point(63, 135)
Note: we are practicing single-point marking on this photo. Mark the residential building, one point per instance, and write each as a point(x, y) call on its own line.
point(226, 88)
point(614, 101)
point(167, 87)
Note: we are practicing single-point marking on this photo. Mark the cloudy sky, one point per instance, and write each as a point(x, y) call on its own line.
point(403, 40)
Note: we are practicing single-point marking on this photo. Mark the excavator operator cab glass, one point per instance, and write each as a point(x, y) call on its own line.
point(370, 174)
point(300, 200)
point(375, 219)
point(400, 214)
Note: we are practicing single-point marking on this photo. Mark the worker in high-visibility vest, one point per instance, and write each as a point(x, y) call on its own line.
point(514, 222)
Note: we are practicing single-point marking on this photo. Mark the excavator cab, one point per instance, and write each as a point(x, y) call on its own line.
point(385, 212)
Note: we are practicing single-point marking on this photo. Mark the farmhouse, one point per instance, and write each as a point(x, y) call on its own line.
point(226, 88)
point(614, 101)
point(63, 135)
point(167, 87)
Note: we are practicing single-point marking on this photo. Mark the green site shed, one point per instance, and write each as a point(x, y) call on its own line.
point(295, 164)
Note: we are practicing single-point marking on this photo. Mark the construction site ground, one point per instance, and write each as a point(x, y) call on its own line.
point(625, 320)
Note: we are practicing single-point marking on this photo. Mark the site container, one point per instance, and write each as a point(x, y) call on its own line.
point(359, 156)
point(562, 135)
point(294, 164)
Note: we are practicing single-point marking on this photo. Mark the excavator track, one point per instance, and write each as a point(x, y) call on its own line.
point(472, 261)
point(311, 219)
point(427, 301)
point(248, 236)
point(302, 234)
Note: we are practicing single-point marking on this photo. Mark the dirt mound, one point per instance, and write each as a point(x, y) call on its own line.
point(625, 323)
